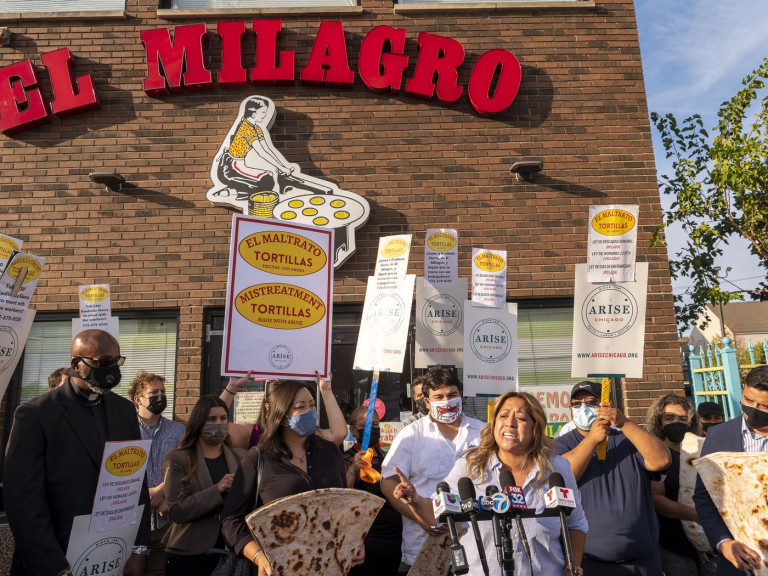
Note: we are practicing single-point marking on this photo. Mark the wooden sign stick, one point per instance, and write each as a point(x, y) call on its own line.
point(605, 396)
point(19, 281)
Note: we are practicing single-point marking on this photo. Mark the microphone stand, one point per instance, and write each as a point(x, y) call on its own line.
point(507, 551)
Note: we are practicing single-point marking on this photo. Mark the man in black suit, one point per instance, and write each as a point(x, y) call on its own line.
point(747, 434)
point(54, 454)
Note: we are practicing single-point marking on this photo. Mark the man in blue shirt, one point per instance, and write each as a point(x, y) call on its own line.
point(615, 492)
point(148, 394)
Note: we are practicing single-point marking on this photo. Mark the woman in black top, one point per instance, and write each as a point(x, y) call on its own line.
point(198, 477)
point(383, 542)
point(295, 458)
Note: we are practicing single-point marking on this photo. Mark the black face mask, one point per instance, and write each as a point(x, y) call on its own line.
point(675, 432)
point(421, 406)
point(156, 404)
point(101, 379)
point(706, 425)
point(755, 418)
point(375, 436)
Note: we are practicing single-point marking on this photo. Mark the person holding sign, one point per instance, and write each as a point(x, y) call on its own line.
point(54, 455)
point(424, 452)
point(199, 475)
point(615, 492)
point(291, 458)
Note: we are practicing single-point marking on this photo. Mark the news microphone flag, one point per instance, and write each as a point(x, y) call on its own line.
point(446, 503)
point(558, 497)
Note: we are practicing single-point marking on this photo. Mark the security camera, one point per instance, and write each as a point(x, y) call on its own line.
point(112, 180)
point(524, 169)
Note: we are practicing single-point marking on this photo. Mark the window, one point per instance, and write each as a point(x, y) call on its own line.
point(147, 343)
point(21, 6)
point(225, 4)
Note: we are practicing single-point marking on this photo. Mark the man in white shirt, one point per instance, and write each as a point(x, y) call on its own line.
point(426, 451)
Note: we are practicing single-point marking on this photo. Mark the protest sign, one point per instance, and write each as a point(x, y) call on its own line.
point(381, 342)
point(441, 256)
point(95, 306)
point(440, 323)
point(17, 285)
point(119, 487)
point(490, 349)
point(612, 243)
point(387, 433)
point(279, 300)
point(247, 406)
point(489, 277)
point(8, 245)
point(609, 325)
point(102, 553)
point(392, 261)
point(13, 338)
point(554, 398)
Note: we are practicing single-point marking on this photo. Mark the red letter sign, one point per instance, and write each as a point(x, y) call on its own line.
point(328, 60)
point(60, 64)
point(232, 73)
point(482, 76)
point(22, 105)
point(186, 48)
point(437, 55)
point(268, 32)
point(372, 58)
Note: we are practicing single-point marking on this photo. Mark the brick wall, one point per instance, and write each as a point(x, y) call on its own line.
point(161, 245)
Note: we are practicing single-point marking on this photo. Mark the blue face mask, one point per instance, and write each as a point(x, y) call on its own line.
point(584, 417)
point(303, 424)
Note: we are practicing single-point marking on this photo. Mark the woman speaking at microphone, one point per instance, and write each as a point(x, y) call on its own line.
point(515, 440)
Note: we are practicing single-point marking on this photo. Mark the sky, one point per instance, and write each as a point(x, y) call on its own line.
point(695, 54)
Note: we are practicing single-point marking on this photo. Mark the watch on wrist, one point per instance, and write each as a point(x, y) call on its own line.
point(142, 550)
point(578, 571)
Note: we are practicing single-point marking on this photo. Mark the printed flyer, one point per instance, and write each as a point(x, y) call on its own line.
point(279, 300)
point(95, 306)
point(612, 243)
point(8, 245)
point(489, 277)
point(441, 256)
point(440, 323)
point(490, 349)
point(609, 325)
point(392, 261)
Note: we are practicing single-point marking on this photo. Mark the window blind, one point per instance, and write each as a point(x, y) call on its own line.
point(148, 344)
point(9, 6)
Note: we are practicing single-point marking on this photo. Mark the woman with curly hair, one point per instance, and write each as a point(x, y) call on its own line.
point(670, 418)
point(515, 440)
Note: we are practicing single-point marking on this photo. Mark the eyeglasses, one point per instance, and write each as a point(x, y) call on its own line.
point(103, 362)
point(591, 403)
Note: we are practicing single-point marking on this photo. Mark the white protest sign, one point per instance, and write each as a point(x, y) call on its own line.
point(95, 306)
point(13, 338)
point(489, 277)
point(490, 349)
point(440, 323)
point(381, 342)
point(8, 245)
point(392, 261)
point(609, 325)
point(102, 553)
point(555, 399)
point(279, 300)
point(247, 407)
point(441, 256)
point(113, 327)
point(119, 486)
point(612, 243)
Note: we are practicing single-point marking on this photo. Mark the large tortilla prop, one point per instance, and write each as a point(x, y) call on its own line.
point(434, 558)
point(690, 449)
point(737, 482)
point(316, 532)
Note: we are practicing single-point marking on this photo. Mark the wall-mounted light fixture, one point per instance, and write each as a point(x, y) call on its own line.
point(525, 169)
point(112, 180)
point(5, 36)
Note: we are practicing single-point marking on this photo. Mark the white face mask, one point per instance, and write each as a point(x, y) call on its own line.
point(446, 411)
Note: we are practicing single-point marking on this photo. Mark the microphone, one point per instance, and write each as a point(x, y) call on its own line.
point(562, 498)
point(451, 502)
point(468, 503)
point(517, 501)
point(490, 492)
point(501, 507)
